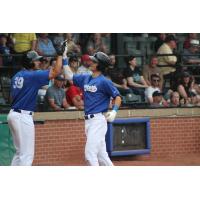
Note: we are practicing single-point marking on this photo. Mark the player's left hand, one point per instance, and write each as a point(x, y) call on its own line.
point(64, 48)
point(110, 116)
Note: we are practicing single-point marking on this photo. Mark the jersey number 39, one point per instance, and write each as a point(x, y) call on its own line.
point(18, 83)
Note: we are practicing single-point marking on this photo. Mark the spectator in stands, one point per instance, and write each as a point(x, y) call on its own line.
point(45, 46)
point(160, 41)
point(95, 44)
point(73, 63)
point(106, 40)
point(72, 46)
point(74, 94)
point(24, 42)
point(51, 64)
point(170, 60)
point(158, 100)
point(152, 68)
point(154, 86)
point(116, 75)
point(5, 51)
point(85, 63)
point(134, 77)
point(186, 89)
point(74, 97)
point(190, 55)
point(55, 96)
point(174, 99)
point(191, 36)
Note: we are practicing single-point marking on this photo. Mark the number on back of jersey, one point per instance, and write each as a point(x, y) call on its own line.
point(18, 83)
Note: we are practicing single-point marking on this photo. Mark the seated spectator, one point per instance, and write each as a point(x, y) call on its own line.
point(72, 46)
point(190, 55)
point(152, 68)
point(45, 46)
point(24, 42)
point(158, 100)
point(134, 77)
point(55, 97)
point(95, 44)
point(160, 41)
point(186, 89)
point(106, 40)
point(154, 86)
point(174, 99)
point(85, 63)
point(116, 75)
point(74, 97)
point(191, 36)
point(73, 64)
point(5, 51)
point(168, 61)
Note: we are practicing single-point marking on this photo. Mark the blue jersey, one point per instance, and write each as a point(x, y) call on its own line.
point(97, 92)
point(24, 88)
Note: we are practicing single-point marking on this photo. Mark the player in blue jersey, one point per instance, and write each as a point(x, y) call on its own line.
point(24, 89)
point(98, 91)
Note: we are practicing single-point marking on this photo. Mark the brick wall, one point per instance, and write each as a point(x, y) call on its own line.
point(61, 141)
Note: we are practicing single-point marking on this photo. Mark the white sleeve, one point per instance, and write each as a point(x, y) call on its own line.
point(67, 72)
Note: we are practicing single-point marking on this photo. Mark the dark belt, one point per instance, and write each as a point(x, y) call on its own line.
point(20, 111)
point(88, 116)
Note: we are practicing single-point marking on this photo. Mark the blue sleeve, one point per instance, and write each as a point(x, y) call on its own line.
point(42, 77)
point(79, 80)
point(65, 61)
point(111, 90)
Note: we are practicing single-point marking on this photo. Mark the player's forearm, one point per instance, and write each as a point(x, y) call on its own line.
point(118, 101)
point(110, 116)
point(57, 69)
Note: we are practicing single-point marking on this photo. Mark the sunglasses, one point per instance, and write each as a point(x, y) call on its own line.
point(156, 80)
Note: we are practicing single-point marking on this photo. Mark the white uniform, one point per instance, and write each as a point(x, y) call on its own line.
point(23, 132)
point(24, 89)
point(95, 148)
point(97, 93)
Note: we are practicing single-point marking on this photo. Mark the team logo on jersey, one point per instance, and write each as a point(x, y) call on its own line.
point(18, 82)
point(90, 88)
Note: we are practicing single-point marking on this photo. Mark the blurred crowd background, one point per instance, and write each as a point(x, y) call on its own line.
point(151, 70)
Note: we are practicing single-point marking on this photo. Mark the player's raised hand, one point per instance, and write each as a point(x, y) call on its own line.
point(63, 49)
point(110, 116)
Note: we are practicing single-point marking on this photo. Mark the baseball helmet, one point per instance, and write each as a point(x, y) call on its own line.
point(102, 59)
point(29, 58)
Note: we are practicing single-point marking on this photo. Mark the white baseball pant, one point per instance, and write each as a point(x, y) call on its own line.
point(23, 131)
point(95, 149)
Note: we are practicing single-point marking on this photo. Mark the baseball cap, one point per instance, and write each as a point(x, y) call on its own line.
point(60, 78)
point(157, 93)
point(194, 43)
point(85, 57)
point(33, 55)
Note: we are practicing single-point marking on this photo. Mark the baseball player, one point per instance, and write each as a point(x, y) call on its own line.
point(98, 91)
point(24, 89)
